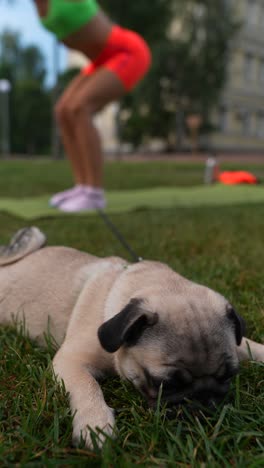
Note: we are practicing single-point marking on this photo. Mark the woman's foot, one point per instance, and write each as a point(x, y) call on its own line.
point(87, 199)
point(60, 197)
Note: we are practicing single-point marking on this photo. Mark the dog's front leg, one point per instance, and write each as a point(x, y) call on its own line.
point(86, 398)
point(250, 350)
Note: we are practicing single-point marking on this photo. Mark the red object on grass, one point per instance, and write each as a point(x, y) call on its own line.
point(236, 177)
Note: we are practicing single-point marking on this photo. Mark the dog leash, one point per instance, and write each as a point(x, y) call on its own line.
point(119, 236)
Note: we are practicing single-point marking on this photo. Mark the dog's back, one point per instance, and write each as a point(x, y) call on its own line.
point(44, 284)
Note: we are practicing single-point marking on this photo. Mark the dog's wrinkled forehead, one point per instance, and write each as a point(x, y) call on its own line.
point(202, 317)
point(194, 300)
point(199, 313)
point(192, 332)
point(182, 347)
point(182, 323)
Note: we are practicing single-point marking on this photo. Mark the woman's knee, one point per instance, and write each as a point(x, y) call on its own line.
point(70, 111)
point(82, 106)
point(61, 111)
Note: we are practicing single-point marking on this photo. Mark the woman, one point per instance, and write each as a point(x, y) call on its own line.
point(119, 59)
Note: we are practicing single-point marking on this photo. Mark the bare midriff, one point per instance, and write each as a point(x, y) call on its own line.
point(91, 38)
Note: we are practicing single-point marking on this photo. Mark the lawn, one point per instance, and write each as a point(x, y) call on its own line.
point(220, 246)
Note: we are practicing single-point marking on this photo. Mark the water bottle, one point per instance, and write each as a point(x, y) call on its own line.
point(210, 170)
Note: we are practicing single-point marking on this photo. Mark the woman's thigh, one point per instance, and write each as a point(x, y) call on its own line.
point(73, 87)
point(97, 90)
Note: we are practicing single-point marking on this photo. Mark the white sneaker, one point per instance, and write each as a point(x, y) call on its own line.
point(65, 195)
point(84, 201)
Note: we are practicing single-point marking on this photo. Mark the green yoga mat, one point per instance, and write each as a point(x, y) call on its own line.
point(160, 197)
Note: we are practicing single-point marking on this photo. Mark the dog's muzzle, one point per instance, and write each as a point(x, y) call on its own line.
point(208, 393)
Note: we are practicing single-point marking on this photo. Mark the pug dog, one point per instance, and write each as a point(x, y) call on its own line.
point(167, 335)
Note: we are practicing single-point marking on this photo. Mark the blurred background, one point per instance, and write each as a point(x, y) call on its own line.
point(203, 94)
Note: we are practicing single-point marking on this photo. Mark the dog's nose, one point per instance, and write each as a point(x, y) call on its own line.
point(211, 398)
point(152, 403)
point(210, 392)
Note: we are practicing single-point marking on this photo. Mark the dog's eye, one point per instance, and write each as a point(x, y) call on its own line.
point(230, 372)
point(152, 381)
point(181, 377)
point(225, 379)
point(156, 383)
point(167, 385)
point(179, 380)
point(171, 385)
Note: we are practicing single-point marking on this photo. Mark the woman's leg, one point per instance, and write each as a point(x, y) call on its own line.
point(75, 110)
point(101, 89)
point(67, 130)
point(92, 95)
point(114, 73)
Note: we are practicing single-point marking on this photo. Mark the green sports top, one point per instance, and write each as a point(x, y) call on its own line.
point(67, 16)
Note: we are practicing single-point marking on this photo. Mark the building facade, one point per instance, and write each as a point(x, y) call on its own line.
point(239, 120)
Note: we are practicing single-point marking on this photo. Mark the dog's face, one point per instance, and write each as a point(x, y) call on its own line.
point(186, 343)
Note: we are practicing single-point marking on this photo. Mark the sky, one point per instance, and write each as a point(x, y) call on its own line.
point(20, 16)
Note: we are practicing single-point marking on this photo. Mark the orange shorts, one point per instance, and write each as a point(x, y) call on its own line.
point(126, 54)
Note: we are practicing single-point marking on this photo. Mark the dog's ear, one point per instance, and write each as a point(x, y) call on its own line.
point(238, 321)
point(126, 327)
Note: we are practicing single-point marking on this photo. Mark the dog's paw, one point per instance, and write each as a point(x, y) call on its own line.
point(256, 351)
point(261, 357)
point(93, 424)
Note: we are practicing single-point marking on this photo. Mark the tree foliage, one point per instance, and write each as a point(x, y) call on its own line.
point(30, 105)
point(147, 18)
point(190, 42)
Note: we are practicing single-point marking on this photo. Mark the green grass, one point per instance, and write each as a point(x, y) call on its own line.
point(33, 178)
point(221, 247)
point(156, 197)
point(38, 177)
point(27, 186)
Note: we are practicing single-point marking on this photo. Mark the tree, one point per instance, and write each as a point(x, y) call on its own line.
point(150, 19)
point(189, 40)
point(190, 49)
point(31, 125)
point(30, 103)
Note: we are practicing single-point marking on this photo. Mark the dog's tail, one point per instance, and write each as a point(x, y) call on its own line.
point(24, 242)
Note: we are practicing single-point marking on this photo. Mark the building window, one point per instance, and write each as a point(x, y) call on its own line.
point(248, 67)
point(261, 71)
point(252, 12)
point(246, 124)
point(260, 124)
point(223, 119)
point(244, 121)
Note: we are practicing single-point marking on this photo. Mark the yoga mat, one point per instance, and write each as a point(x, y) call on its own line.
point(160, 197)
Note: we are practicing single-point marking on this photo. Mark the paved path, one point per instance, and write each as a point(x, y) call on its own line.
point(178, 157)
